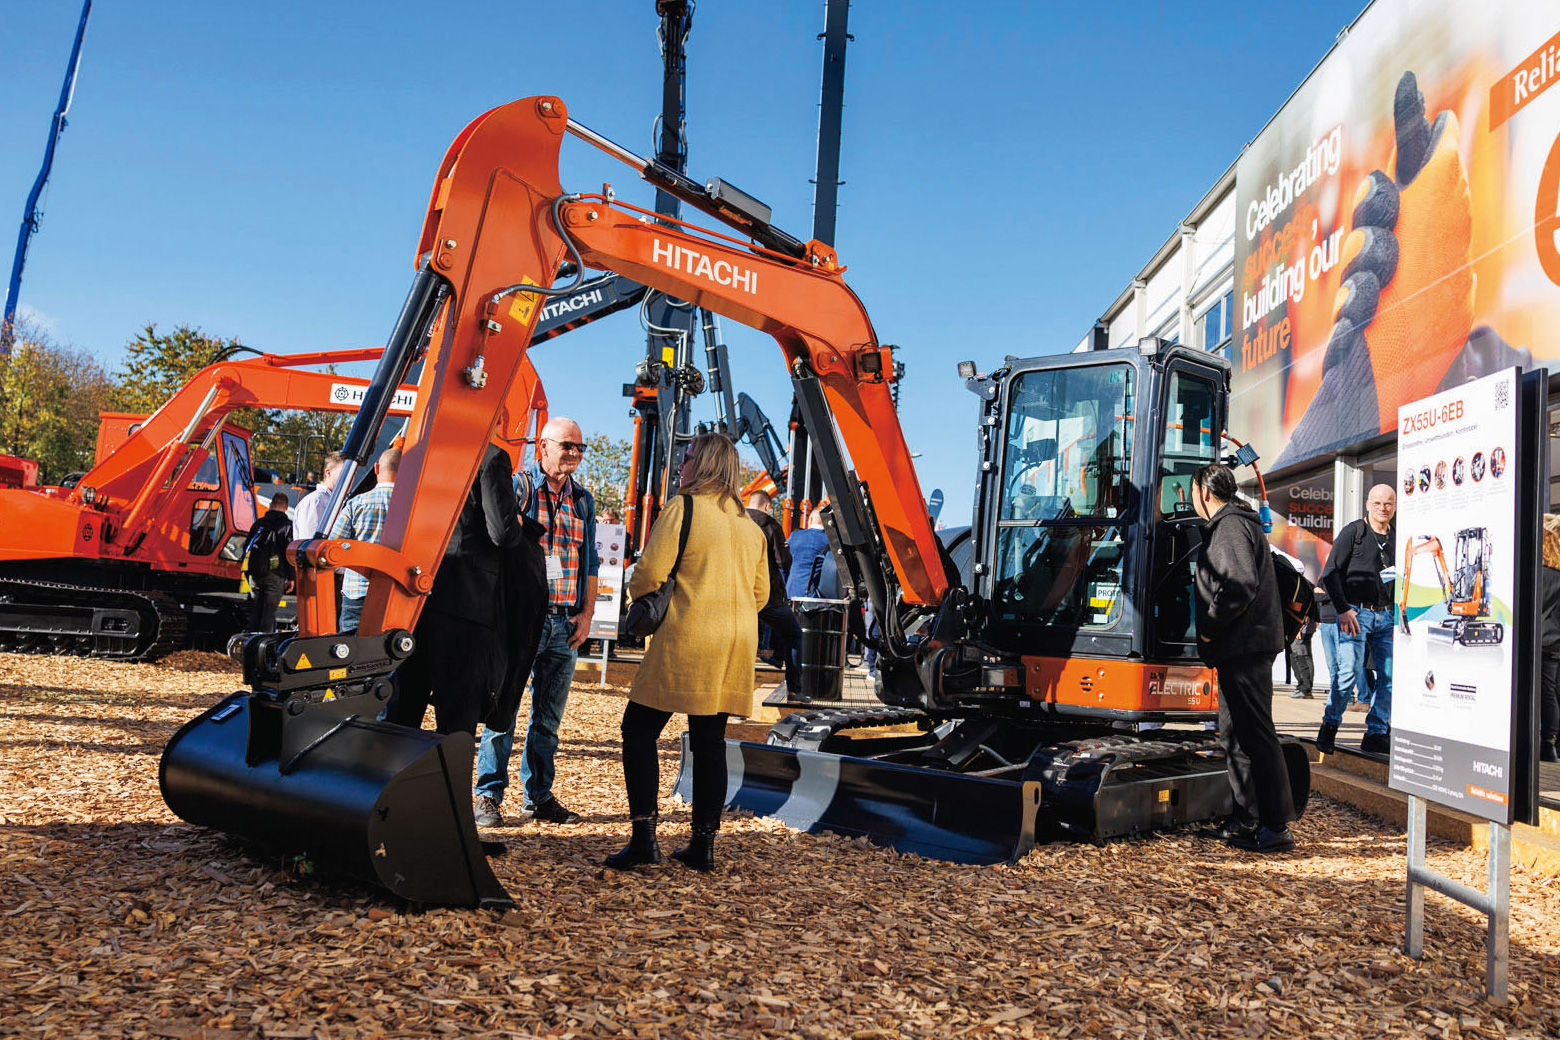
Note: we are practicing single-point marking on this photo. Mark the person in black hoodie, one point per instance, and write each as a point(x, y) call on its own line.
point(266, 565)
point(1240, 630)
point(1549, 641)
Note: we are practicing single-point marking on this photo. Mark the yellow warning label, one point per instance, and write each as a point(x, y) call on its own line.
point(523, 304)
point(303, 662)
point(338, 673)
point(1164, 796)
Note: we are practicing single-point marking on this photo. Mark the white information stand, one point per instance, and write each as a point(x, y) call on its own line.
point(611, 540)
point(1452, 648)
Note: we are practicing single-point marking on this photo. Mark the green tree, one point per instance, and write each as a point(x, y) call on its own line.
point(157, 365)
point(296, 442)
point(50, 397)
point(605, 471)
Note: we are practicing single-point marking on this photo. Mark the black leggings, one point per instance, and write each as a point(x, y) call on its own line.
point(642, 767)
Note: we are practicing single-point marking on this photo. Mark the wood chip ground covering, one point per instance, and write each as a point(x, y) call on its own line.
point(121, 921)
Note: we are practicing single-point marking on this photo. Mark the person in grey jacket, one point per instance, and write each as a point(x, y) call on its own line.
point(1240, 630)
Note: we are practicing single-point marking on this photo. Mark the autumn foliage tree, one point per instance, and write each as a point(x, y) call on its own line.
point(50, 397)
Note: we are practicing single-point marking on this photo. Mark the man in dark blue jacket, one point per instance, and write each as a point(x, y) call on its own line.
point(1240, 630)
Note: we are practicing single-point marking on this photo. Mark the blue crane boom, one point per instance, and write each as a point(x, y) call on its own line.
point(31, 216)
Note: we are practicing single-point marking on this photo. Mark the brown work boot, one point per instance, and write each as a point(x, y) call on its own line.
point(487, 812)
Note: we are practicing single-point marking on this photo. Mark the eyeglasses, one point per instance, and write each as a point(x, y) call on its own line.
point(570, 446)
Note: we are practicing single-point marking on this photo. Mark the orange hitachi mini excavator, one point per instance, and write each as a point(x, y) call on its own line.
point(142, 556)
point(1465, 588)
point(1078, 622)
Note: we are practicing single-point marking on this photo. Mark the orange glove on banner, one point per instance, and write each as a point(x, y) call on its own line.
point(1404, 312)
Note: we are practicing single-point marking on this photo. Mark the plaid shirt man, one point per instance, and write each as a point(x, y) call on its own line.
point(363, 520)
point(570, 519)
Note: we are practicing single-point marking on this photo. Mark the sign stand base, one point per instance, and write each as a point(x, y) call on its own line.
point(1494, 904)
point(601, 662)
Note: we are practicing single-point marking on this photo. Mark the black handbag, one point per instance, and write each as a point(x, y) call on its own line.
point(647, 612)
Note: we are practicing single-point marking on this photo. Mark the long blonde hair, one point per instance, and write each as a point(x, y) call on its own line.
point(716, 469)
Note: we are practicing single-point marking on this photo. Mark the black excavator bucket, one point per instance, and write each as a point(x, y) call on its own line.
point(384, 803)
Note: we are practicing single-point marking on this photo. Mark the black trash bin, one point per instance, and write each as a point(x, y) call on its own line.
point(821, 653)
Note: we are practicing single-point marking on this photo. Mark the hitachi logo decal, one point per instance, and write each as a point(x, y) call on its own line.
point(570, 304)
point(691, 261)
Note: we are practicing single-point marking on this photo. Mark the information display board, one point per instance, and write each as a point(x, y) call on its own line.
point(1453, 647)
point(611, 541)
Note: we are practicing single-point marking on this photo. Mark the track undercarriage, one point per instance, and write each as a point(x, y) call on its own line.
point(112, 622)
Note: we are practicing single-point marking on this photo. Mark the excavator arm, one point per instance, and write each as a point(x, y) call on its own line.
point(498, 227)
point(132, 483)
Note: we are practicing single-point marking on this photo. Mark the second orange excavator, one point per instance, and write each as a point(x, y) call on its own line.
point(143, 555)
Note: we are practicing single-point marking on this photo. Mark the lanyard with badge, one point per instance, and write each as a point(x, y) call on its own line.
point(554, 561)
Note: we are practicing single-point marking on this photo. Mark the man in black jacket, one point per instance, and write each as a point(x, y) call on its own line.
point(784, 631)
point(1362, 550)
point(1240, 630)
point(266, 565)
point(461, 654)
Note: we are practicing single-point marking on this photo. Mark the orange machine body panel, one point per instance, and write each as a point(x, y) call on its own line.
point(1124, 686)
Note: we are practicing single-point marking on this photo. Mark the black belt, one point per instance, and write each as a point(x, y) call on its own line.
point(561, 611)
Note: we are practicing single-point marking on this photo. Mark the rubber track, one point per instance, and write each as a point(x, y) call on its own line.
point(172, 624)
point(817, 726)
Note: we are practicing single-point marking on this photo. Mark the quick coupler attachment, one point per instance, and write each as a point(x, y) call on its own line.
point(307, 770)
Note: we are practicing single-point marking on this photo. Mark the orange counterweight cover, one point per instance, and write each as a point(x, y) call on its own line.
point(1121, 685)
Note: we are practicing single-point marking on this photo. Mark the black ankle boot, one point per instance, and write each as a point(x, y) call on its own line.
point(699, 853)
point(641, 849)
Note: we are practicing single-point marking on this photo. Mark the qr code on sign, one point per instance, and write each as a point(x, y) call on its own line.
point(1502, 396)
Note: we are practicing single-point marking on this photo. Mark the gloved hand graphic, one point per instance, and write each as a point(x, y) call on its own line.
point(1405, 308)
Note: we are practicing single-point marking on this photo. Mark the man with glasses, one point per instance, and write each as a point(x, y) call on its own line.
point(548, 494)
point(1363, 550)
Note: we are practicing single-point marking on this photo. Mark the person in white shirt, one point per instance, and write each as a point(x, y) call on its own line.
point(309, 514)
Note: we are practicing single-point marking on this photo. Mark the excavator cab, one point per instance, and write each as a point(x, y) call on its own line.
point(1084, 533)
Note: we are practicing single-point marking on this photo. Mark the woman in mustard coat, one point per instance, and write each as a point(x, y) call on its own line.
point(700, 661)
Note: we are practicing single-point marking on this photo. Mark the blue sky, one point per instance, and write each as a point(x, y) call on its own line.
point(261, 170)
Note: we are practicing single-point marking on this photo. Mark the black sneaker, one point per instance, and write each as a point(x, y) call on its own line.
point(1265, 839)
point(1547, 752)
point(1326, 738)
point(1376, 744)
point(553, 811)
point(487, 812)
point(1228, 830)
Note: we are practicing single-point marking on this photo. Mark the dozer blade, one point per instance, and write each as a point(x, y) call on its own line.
point(940, 815)
point(1095, 790)
point(385, 803)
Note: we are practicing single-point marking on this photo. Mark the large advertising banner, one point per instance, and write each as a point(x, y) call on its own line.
point(1396, 223)
point(1453, 664)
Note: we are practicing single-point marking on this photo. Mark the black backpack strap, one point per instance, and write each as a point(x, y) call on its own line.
point(682, 536)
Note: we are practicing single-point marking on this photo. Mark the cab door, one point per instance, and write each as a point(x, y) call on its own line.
point(1191, 406)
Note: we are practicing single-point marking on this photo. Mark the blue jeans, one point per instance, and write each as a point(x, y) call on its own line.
point(351, 611)
point(551, 677)
point(1376, 632)
point(1343, 673)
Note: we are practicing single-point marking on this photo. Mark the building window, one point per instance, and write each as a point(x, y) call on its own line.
point(1216, 326)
